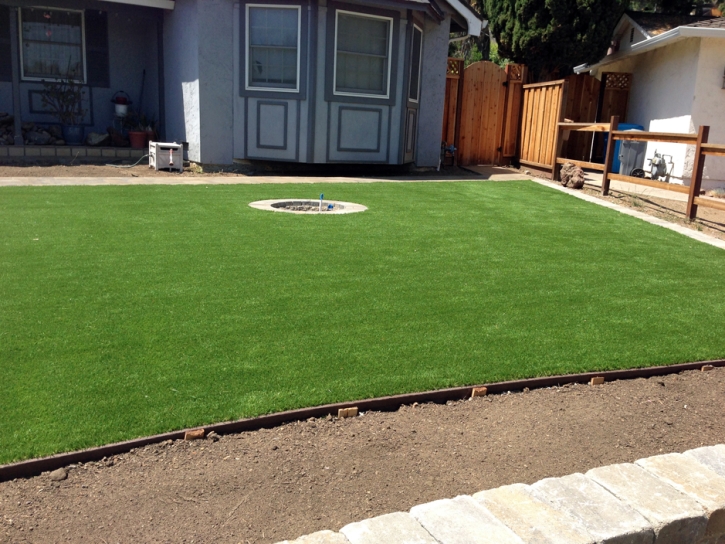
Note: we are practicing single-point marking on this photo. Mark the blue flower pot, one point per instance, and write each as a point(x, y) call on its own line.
point(73, 134)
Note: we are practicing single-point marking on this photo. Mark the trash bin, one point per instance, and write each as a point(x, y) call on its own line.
point(631, 156)
point(616, 165)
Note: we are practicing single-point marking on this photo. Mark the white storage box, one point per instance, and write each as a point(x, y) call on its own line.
point(166, 156)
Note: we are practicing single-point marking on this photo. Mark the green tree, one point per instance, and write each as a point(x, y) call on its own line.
point(552, 36)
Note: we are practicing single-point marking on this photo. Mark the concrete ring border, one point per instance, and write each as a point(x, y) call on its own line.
point(348, 207)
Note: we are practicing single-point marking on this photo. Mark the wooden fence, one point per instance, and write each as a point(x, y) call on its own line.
point(482, 111)
point(541, 112)
point(699, 140)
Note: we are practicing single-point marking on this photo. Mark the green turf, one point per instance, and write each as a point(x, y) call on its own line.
point(128, 311)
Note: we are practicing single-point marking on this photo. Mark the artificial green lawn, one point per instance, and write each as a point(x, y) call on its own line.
point(128, 311)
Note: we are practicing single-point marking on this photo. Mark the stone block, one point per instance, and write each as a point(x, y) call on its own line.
point(605, 517)
point(462, 521)
point(137, 153)
point(3, 151)
point(713, 457)
point(396, 528)
point(692, 478)
point(62, 152)
point(32, 151)
point(108, 152)
point(321, 537)
point(93, 152)
point(531, 519)
point(674, 516)
point(47, 151)
point(16, 151)
point(78, 151)
point(123, 153)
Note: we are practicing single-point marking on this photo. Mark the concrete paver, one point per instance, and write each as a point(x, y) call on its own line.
point(605, 517)
point(532, 519)
point(692, 478)
point(674, 516)
point(321, 537)
point(396, 528)
point(713, 457)
point(462, 521)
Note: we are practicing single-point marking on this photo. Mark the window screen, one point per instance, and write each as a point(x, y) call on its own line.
point(416, 52)
point(273, 35)
point(52, 44)
point(361, 59)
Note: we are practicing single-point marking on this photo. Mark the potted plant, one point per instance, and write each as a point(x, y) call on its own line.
point(64, 98)
point(140, 130)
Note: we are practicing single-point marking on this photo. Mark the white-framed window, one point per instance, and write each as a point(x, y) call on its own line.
point(52, 44)
point(416, 55)
point(363, 47)
point(273, 47)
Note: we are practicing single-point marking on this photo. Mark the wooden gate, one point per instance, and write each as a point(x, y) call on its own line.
point(542, 111)
point(482, 109)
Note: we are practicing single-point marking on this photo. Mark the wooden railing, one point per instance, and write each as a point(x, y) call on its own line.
point(699, 140)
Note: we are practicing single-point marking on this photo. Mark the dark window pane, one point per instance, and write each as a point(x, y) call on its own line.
point(363, 45)
point(415, 55)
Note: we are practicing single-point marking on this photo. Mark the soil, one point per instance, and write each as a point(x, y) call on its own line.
point(85, 170)
point(268, 485)
point(709, 220)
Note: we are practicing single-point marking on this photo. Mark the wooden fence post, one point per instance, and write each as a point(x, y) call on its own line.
point(609, 157)
point(459, 111)
point(557, 132)
point(697, 168)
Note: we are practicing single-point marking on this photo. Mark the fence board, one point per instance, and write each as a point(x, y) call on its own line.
point(543, 104)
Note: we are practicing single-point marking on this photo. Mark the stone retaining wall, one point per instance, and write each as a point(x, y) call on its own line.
point(667, 499)
point(61, 153)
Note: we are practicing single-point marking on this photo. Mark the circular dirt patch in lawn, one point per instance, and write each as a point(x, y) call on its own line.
point(298, 205)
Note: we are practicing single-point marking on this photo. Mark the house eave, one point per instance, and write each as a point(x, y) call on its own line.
point(474, 25)
point(161, 4)
point(666, 38)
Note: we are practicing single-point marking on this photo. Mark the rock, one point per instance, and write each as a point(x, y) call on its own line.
point(27, 127)
point(213, 436)
point(195, 434)
point(97, 139)
point(59, 475)
point(55, 131)
point(572, 176)
point(6, 120)
point(60, 142)
point(38, 138)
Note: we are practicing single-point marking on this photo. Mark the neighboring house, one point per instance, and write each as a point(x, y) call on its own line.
point(312, 81)
point(678, 82)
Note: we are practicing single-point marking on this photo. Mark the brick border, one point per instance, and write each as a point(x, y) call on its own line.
point(10, 153)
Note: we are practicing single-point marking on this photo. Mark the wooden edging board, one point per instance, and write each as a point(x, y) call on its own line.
point(33, 467)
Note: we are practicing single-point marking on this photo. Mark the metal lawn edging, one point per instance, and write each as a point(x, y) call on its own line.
point(34, 467)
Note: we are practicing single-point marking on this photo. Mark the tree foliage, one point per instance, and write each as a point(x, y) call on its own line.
point(552, 36)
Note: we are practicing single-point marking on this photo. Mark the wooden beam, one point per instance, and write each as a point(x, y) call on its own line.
point(717, 150)
point(650, 183)
point(609, 155)
point(671, 137)
point(545, 84)
point(709, 203)
point(536, 165)
point(582, 164)
point(585, 127)
point(697, 168)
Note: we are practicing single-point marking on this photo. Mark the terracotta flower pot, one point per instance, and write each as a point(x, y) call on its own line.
point(137, 139)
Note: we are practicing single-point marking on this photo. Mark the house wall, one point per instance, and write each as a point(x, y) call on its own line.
point(661, 99)
point(132, 43)
point(709, 105)
point(433, 92)
point(181, 76)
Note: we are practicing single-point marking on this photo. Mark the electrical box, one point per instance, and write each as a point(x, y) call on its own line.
point(166, 156)
point(631, 156)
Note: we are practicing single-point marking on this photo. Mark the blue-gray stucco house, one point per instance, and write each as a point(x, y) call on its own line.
point(309, 81)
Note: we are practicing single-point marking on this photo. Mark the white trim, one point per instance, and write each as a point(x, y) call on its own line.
point(389, 56)
point(83, 45)
point(247, 48)
point(666, 38)
point(420, 64)
point(161, 4)
point(475, 25)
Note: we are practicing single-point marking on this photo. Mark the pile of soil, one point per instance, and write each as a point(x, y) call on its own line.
point(268, 485)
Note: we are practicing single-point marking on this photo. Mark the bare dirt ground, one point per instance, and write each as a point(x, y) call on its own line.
point(85, 170)
point(269, 485)
point(709, 220)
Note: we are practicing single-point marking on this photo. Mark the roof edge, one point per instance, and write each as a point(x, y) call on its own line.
point(474, 24)
point(161, 4)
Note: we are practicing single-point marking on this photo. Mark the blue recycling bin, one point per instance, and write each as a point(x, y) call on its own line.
point(622, 126)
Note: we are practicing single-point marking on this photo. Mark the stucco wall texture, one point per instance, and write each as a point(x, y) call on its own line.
point(677, 88)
